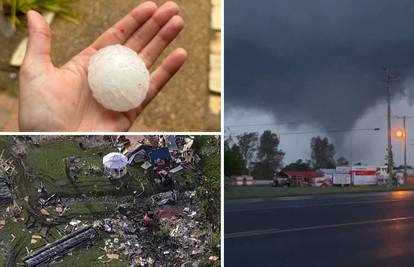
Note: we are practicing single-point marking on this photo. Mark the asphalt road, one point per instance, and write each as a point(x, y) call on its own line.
point(372, 229)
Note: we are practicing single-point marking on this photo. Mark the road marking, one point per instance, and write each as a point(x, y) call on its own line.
point(319, 205)
point(274, 231)
point(295, 198)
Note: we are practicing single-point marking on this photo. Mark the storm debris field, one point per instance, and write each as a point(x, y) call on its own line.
point(110, 201)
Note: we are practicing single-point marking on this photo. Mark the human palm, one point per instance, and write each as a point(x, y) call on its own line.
point(59, 99)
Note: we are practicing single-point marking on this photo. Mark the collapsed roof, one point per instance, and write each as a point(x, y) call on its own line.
point(61, 247)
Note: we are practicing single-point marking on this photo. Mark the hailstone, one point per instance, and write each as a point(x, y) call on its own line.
point(118, 78)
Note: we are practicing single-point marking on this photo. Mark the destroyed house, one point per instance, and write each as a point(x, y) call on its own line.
point(141, 152)
point(171, 143)
point(160, 154)
point(56, 250)
point(5, 192)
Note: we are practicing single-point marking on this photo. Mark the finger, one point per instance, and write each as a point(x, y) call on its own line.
point(124, 28)
point(165, 36)
point(144, 35)
point(39, 43)
point(160, 77)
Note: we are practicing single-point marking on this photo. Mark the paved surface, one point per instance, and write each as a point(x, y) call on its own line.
point(182, 106)
point(373, 229)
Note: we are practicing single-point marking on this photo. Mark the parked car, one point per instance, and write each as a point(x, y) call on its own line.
point(280, 182)
point(321, 182)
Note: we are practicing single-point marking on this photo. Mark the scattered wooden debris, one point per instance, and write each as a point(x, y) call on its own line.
point(113, 256)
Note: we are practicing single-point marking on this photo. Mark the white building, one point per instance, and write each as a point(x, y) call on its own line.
point(115, 165)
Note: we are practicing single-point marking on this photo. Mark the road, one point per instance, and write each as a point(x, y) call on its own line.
point(370, 229)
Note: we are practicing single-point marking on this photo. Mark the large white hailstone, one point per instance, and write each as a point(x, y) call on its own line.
point(118, 78)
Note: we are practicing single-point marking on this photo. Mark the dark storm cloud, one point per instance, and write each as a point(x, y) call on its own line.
point(319, 61)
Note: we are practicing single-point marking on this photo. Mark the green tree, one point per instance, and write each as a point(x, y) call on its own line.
point(269, 155)
point(323, 153)
point(248, 146)
point(208, 191)
point(233, 162)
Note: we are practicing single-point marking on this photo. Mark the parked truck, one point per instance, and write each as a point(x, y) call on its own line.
point(360, 175)
point(342, 176)
point(369, 175)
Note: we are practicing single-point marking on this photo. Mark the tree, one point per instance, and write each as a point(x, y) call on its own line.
point(233, 162)
point(322, 153)
point(208, 190)
point(299, 165)
point(269, 156)
point(342, 161)
point(248, 146)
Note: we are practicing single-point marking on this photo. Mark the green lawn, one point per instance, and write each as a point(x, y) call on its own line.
point(268, 191)
point(47, 163)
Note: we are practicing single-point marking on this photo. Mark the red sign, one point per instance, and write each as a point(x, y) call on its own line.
point(366, 173)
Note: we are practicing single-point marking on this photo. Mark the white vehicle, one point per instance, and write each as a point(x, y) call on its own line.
point(369, 175)
point(321, 181)
point(400, 177)
point(342, 176)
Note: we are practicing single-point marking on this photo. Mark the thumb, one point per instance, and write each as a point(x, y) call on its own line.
point(40, 38)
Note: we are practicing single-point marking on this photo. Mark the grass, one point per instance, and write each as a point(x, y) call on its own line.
point(16, 10)
point(269, 192)
point(47, 163)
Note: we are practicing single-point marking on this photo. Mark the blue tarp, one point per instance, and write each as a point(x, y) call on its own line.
point(159, 154)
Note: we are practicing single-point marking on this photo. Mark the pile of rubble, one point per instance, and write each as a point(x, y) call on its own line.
point(93, 141)
point(161, 230)
point(6, 197)
point(7, 168)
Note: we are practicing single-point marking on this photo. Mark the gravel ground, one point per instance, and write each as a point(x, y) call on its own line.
point(183, 105)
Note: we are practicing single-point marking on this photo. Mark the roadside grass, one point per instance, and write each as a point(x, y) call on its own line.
point(269, 192)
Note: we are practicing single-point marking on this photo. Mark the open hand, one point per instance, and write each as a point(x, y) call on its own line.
point(59, 99)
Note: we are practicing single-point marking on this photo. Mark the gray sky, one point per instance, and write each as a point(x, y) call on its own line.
point(315, 65)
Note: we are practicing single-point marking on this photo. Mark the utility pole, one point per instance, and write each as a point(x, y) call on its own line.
point(405, 148)
point(388, 80)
